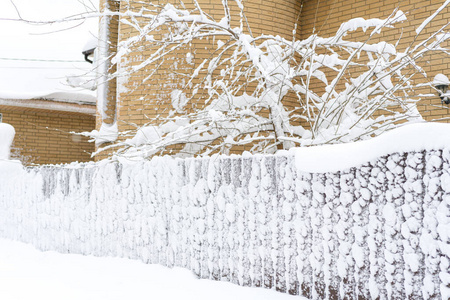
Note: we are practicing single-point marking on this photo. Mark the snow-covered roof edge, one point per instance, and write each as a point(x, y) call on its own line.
point(51, 106)
point(69, 97)
point(333, 158)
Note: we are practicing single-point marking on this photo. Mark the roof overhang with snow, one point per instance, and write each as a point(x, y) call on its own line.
point(49, 106)
point(55, 102)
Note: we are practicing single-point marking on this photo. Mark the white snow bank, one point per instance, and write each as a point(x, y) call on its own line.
point(411, 137)
point(70, 97)
point(8, 167)
point(7, 133)
point(28, 274)
point(10, 170)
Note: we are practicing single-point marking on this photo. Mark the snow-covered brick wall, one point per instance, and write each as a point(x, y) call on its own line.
point(379, 230)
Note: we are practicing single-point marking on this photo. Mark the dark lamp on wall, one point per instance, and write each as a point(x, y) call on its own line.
point(441, 83)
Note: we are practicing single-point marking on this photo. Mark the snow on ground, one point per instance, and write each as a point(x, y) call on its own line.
point(28, 274)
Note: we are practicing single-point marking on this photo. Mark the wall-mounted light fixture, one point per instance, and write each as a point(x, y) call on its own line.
point(87, 53)
point(441, 83)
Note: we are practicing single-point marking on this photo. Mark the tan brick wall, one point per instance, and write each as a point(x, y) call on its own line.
point(43, 137)
point(324, 18)
point(146, 99)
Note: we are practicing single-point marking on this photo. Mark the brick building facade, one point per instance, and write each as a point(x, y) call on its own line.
point(325, 17)
point(139, 98)
point(43, 130)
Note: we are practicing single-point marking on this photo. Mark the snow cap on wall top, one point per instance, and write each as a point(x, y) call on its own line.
point(411, 137)
point(7, 133)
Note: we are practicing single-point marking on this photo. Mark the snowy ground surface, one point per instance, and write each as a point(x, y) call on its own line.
point(26, 273)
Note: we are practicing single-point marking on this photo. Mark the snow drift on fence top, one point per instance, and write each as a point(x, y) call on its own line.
point(412, 137)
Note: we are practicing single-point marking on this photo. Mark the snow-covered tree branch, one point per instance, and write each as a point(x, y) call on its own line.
point(268, 92)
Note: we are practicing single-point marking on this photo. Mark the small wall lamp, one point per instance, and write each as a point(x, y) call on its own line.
point(441, 83)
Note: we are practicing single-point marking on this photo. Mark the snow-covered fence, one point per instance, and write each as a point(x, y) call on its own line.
point(379, 230)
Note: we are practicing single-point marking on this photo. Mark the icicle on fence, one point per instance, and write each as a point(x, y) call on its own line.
point(378, 231)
